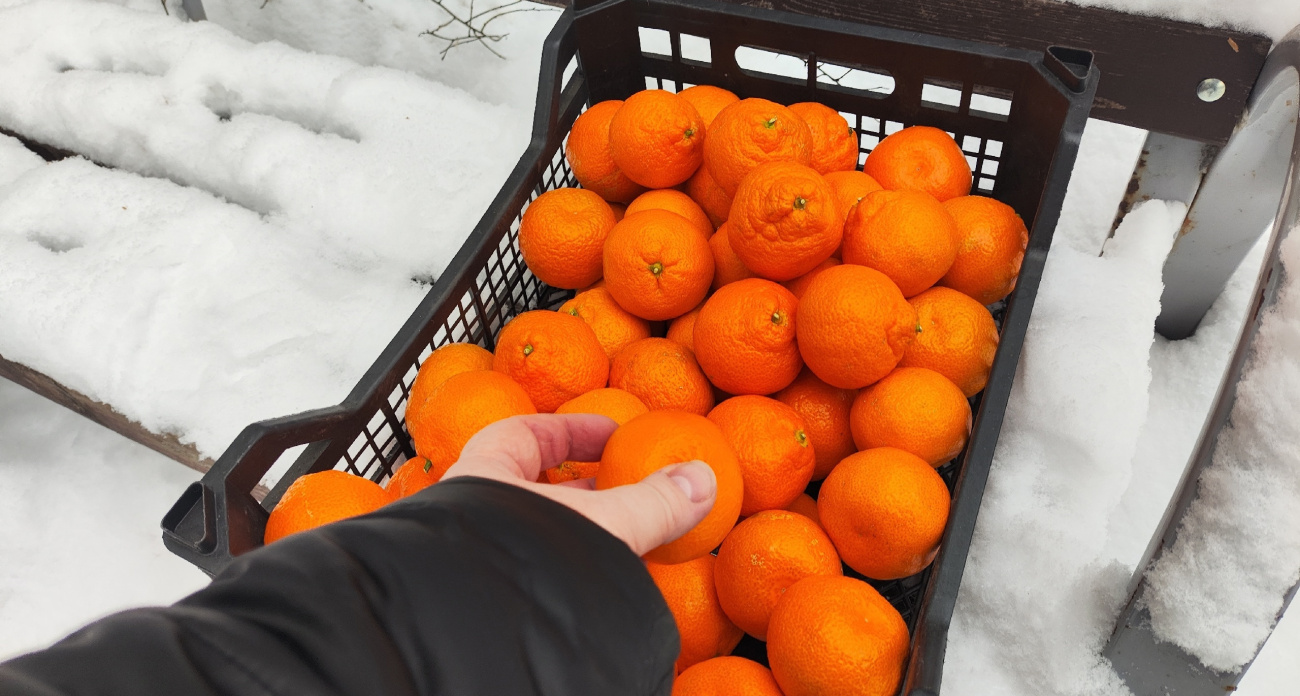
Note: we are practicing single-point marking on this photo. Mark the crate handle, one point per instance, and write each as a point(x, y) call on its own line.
point(1069, 65)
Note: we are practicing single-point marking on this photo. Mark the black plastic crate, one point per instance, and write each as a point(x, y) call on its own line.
point(1018, 115)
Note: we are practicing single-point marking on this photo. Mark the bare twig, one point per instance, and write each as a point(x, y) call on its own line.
point(458, 30)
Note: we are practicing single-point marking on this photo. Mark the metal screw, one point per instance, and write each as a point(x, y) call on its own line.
point(1211, 89)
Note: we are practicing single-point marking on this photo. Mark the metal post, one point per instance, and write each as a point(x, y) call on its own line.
point(1237, 199)
point(1148, 666)
point(1170, 168)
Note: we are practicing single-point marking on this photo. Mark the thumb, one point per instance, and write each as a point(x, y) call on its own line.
point(660, 508)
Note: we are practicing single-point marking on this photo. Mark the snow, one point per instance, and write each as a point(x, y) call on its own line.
point(272, 217)
point(80, 507)
point(229, 270)
point(1237, 551)
point(1272, 18)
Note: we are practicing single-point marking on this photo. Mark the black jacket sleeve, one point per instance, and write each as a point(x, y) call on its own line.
point(468, 587)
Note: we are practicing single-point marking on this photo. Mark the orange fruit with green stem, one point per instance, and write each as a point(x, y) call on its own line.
point(920, 158)
point(562, 237)
point(854, 326)
point(907, 235)
point(663, 374)
point(771, 443)
point(752, 132)
point(614, 326)
point(657, 265)
point(784, 220)
point(991, 243)
point(554, 356)
point(834, 142)
point(913, 409)
point(956, 338)
point(657, 138)
point(587, 151)
point(415, 475)
point(708, 100)
point(745, 337)
point(825, 411)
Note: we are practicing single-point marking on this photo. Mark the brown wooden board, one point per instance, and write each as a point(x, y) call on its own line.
point(1150, 65)
point(103, 414)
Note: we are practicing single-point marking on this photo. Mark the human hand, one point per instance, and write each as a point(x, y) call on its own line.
point(645, 515)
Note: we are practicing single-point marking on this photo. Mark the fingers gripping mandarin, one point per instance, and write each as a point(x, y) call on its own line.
point(657, 138)
point(751, 132)
point(663, 374)
point(657, 265)
point(784, 220)
point(708, 100)
point(727, 267)
point(320, 498)
point(907, 235)
point(885, 509)
point(451, 359)
point(682, 329)
point(745, 337)
point(614, 326)
point(851, 187)
point(587, 151)
point(554, 356)
point(658, 439)
point(726, 676)
point(957, 338)
point(673, 201)
point(825, 412)
point(799, 285)
point(762, 557)
point(688, 589)
point(836, 635)
point(460, 407)
point(835, 144)
point(991, 242)
point(415, 475)
point(562, 236)
point(771, 443)
point(916, 410)
point(618, 405)
point(706, 192)
point(853, 326)
point(920, 158)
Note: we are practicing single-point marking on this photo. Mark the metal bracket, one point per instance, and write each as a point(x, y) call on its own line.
point(1243, 194)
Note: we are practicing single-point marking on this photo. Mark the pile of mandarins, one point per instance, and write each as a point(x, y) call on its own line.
point(748, 298)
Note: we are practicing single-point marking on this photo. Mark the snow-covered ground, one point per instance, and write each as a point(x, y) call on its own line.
point(1102, 416)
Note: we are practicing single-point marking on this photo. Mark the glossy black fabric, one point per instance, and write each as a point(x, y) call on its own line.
point(469, 587)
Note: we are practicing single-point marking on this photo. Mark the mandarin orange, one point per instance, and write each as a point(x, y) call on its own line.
point(914, 409)
point(762, 557)
point(554, 356)
point(834, 142)
point(657, 138)
point(745, 337)
point(317, 499)
point(798, 286)
point(727, 267)
point(825, 412)
point(663, 374)
point(851, 187)
point(587, 151)
point(751, 132)
point(618, 405)
point(726, 676)
point(853, 326)
point(885, 509)
point(784, 220)
point(673, 201)
point(805, 505)
point(991, 242)
point(562, 236)
point(413, 476)
point(459, 408)
point(682, 329)
point(771, 443)
point(688, 589)
point(614, 326)
point(451, 359)
point(907, 235)
point(836, 635)
point(658, 439)
point(956, 338)
point(708, 100)
point(920, 158)
point(706, 192)
point(657, 265)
